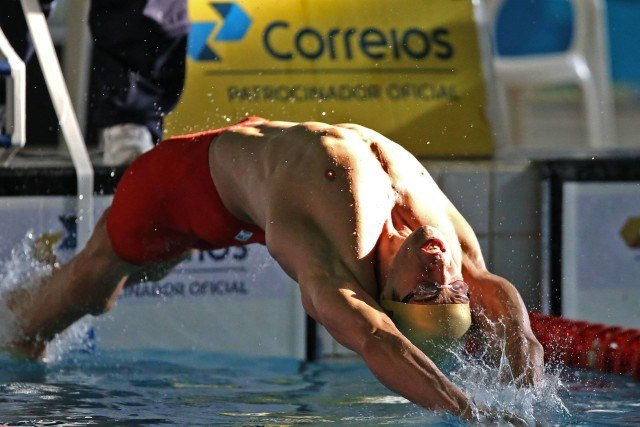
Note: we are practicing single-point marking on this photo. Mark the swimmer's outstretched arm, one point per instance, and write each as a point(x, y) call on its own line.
point(333, 295)
point(356, 321)
point(498, 309)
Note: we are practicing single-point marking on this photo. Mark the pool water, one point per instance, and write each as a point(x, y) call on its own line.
point(79, 385)
point(191, 388)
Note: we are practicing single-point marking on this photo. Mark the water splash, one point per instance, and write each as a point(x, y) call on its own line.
point(506, 401)
point(20, 271)
point(492, 386)
point(23, 272)
point(22, 268)
point(76, 338)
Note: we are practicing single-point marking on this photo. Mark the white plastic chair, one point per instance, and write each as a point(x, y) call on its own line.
point(12, 69)
point(585, 63)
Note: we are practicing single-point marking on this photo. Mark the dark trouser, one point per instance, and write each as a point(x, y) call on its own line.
point(137, 69)
point(138, 61)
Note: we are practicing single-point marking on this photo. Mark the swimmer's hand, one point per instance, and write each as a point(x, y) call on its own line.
point(486, 416)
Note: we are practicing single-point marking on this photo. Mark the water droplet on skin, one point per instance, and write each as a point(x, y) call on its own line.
point(330, 174)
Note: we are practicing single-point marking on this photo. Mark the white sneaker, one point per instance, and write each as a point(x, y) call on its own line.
point(123, 143)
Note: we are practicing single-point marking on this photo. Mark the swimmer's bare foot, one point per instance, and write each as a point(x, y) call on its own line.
point(27, 349)
point(20, 345)
point(19, 301)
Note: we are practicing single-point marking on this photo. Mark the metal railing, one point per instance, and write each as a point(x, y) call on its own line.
point(13, 70)
point(63, 106)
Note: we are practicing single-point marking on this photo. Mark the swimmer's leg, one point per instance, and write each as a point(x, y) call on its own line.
point(156, 272)
point(88, 284)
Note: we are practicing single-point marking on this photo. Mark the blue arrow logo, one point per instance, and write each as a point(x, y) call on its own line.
point(235, 24)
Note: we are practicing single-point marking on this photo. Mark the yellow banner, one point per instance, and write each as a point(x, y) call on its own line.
point(411, 70)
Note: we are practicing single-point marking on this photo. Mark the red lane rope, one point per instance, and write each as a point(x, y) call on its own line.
point(587, 345)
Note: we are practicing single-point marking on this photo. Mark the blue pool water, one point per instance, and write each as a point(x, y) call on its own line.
point(190, 388)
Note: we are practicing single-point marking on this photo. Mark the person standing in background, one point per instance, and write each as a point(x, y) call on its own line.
point(137, 73)
point(137, 69)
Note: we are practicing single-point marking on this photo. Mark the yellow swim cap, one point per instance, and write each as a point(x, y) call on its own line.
point(432, 328)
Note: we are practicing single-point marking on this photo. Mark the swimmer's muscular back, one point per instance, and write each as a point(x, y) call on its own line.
point(329, 190)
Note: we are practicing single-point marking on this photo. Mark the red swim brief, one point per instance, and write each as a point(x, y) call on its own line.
point(167, 203)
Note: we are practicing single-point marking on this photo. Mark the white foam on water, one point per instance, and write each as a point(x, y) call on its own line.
point(387, 400)
point(74, 338)
point(21, 272)
point(481, 382)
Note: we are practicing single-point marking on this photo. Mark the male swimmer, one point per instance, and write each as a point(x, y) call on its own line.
point(350, 215)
